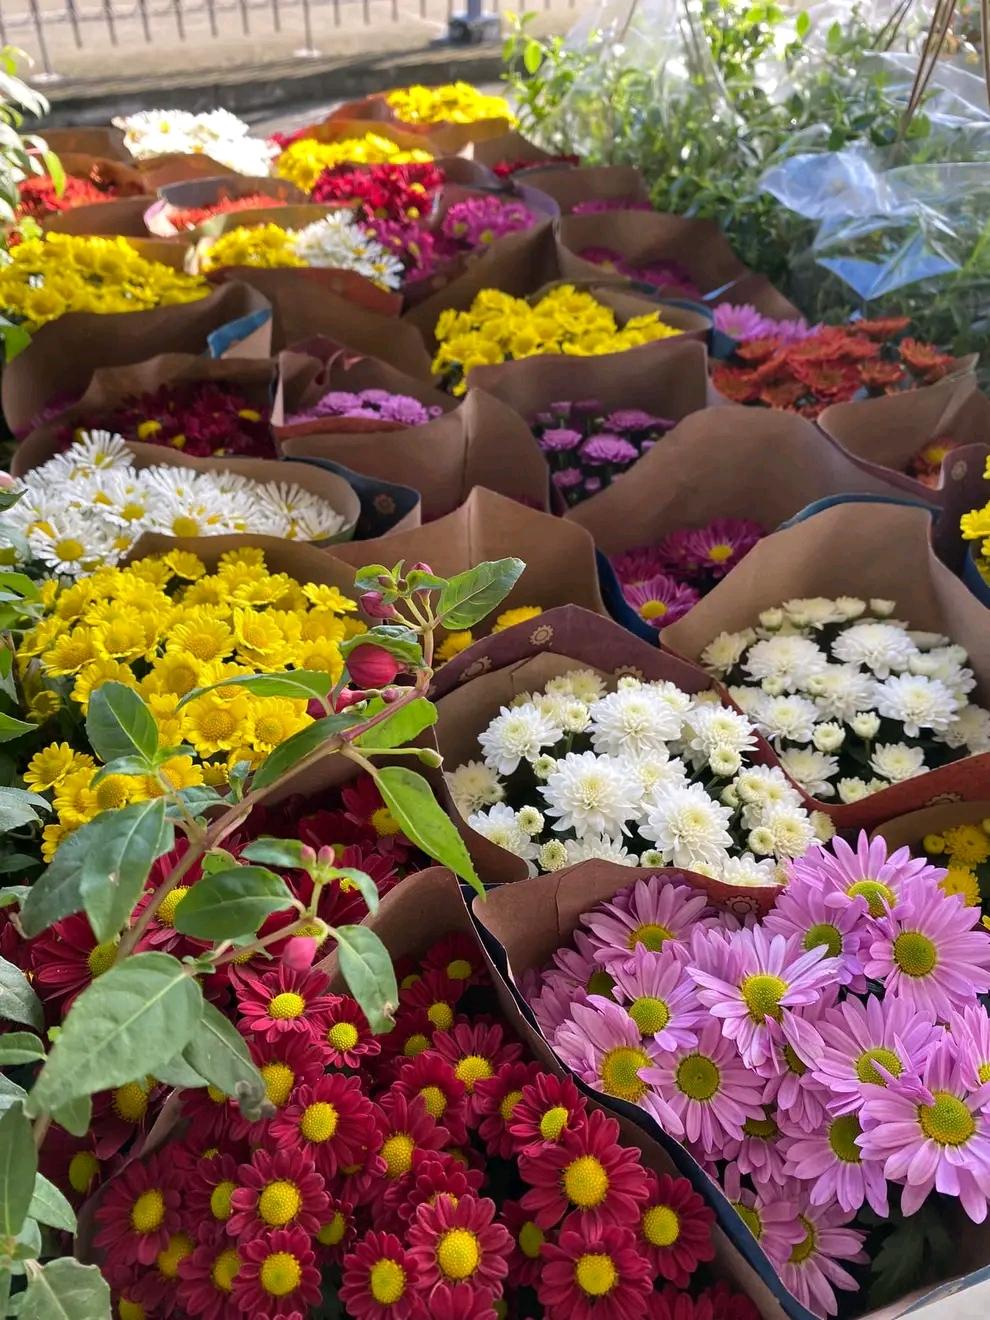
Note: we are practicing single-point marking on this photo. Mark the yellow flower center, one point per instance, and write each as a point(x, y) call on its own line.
point(720, 552)
point(83, 1168)
point(471, 1070)
point(286, 1005)
point(915, 954)
point(184, 526)
point(69, 549)
point(586, 1182)
point(842, 1134)
point(100, 958)
point(220, 1199)
point(620, 1073)
point(178, 1248)
point(216, 1095)
point(343, 1036)
point(459, 969)
point(458, 1253)
point(166, 910)
point(661, 1226)
point(983, 1073)
point(319, 1121)
point(596, 1274)
point(653, 609)
point(600, 983)
point(531, 1238)
point(279, 1203)
point(384, 822)
point(280, 1274)
point(697, 1077)
point(148, 1211)
point(435, 1101)
point(508, 1105)
point(128, 1310)
point(650, 1015)
point(397, 1153)
point(441, 1015)
point(878, 895)
point(332, 1233)
point(416, 1044)
point(387, 1281)
point(279, 1080)
point(762, 994)
point(750, 1218)
point(650, 935)
point(225, 1269)
point(760, 1127)
point(130, 1102)
point(887, 1059)
point(824, 933)
point(947, 1121)
point(803, 1249)
point(553, 1123)
point(111, 793)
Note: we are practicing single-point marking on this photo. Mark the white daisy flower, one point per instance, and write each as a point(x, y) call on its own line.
point(598, 847)
point(709, 727)
point(747, 871)
point(518, 733)
point(790, 660)
point(638, 720)
point(813, 611)
point(499, 826)
point(726, 650)
point(688, 827)
point(853, 789)
point(897, 761)
point(814, 771)
point(865, 724)
point(553, 855)
point(882, 647)
point(917, 702)
point(590, 794)
point(786, 719)
point(474, 786)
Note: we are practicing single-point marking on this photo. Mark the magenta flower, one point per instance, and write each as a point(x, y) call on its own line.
point(611, 449)
point(651, 913)
point(741, 322)
point(638, 565)
point(866, 872)
point(868, 1042)
point(719, 546)
point(931, 950)
point(790, 1083)
point(660, 601)
point(478, 221)
point(830, 1160)
point(932, 1135)
point(811, 1269)
point(801, 911)
point(567, 478)
point(658, 995)
point(970, 1032)
point(769, 1215)
point(559, 439)
point(761, 992)
point(759, 1152)
point(634, 419)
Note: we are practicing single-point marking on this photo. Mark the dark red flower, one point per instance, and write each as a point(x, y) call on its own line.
point(337, 1230)
point(377, 1279)
point(283, 1001)
point(121, 1114)
point(548, 1108)
point(405, 1127)
point(459, 957)
point(497, 1100)
point(460, 1243)
point(675, 1228)
point(436, 994)
point(432, 1079)
point(594, 1272)
point(347, 1035)
point(434, 1173)
point(209, 1188)
point(475, 1050)
point(285, 1064)
point(278, 1275)
point(277, 1190)
point(156, 1288)
point(206, 1280)
point(727, 1304)
point(65, 959)
point(525, 1263)
point(139, 1212)
point(331, 1122)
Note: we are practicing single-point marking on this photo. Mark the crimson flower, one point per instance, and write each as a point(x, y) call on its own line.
point(460, 1243)
point(432, 1078)
point(209, 1189)
point(594, 1272)
point(283, 1001)
point(548, 1108)
point(347, 1035)
point(278, 1275)
point(337, 1230)
point(406, 1126)
point(66, 958)
point(436, 994)
point(376, 1281)
point(727, 1304)
point(525, 1263)
point(675, 1228)
point(206, 1280)
point(457, 1302)
point(138, 1212)
point(475, 1050)
point(433, 1173)
point(459, 957)
point(285, 1064)
point(280, 1190)
point(497, 1099)
point(332, 1123)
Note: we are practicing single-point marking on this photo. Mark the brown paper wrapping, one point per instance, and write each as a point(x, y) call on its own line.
point(194, 193)
point(482, 442)
point(125, 216)
point(874, 550)
point(62, 356)
point(101, 141)
point(175, 167)
point(589, 183)
point(908, 831)
point(511, 146)
point(884, 434)
point(728, 462)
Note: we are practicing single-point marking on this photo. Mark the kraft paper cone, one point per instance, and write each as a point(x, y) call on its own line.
point(61, 358)
point(511, 146)
point(176, 167)
point(589, 183)
point(482, 442)
point(885, 434)
point(106, 141)
point(305, 291)
point(875, 550)
point(908, 831)
point(196, 193)
point(110, 386)
point(727, 462)
point(124, 216)
point(965, 486)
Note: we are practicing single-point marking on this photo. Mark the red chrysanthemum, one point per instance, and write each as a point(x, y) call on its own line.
point(437, 995)
point(412, 1034)
point(346, 1035)
point(475, 1050)
point(587, 1171)
point(405, 1126)
point(829, 380)
point(161, 933)
point(783, 394)
point(280, 1190)
point(283, 1001)
point(278, 1275)
point(121, 1114)
point(285, 1064)
point(594, 1273)
point(206, 1280)
point(675, 1228)
point(377, 1283)
point(156, 1289)
point(337, 1230)
point(881, 327)
point(727, 1304)
point(757, 350)
point(923, 359)
point(432, 1079)
point(139, 1212)
point(364, 805)
point(71, 1163)
point(209, 1188)
point(65, 959)
point(459, 956)
point(672, 1304)
point(331, 1122)
point(736, 385)
point(460, 1243)
point(881, 375)
point(548, 1108)
point(457, 1302)
point(525, 1263)
point(209, 1113)
point(434, 1173)
point(497, 1098)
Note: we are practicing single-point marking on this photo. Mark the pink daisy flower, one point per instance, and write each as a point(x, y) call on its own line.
point(460, 1242)
point(862, 1038)
point(377, 1279)
point(865, 872)
point(658, 995)
point(282, 1000)
point(434, 1173)
point(931, 950)
point(761, 993)
point(652, 913)
point(457, 1302)
point(497, 1098)
point(970, 1032)
point(660, 600)
point(759, 1151)
point(741, 321)
point(139, 1212)
point(432, 1078)
point(811, 1269)
point(770, 1213)
point(594, 1272)
point(331, 1123)
point(675, 1228)
point(932, 1135)
point(719, 546)
point(277, 1276)
point(831, 1161)
point(802, 911)
point(475, 1051)
point(548, 1107)
point(790, 1083)
point(708, 1087)
point(277, 1190)
point(206, 1280)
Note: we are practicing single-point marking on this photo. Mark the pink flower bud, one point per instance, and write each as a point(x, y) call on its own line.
point(315, 709)
point(307, 855)
point(347, 697)
point(371, 666)
point(420, 567)
point(392, 693)
point(374, 605)
point(299, 953)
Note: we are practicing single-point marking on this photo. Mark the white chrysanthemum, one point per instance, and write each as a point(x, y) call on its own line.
point(791, 830)
point(842, 690)
point(499, 825)
point(474, 786)
point(786, 719)
point(823, 825)
point(575, 717)
point(709, 727)
point(865, 724)
point(590, 794)
point(654, 771)
point(948, 665)
point(814, 771)
point(543, 766)
point(746, 698)
point(217, 133)
point(927, 641)
point(897, 761)
point(635, 721)
point(551, 704)
point(761, 788)
point(829, 737)
point(790, 659)
point(578, 685)
point(688, 827)
point(598, 847)
point(91, 452)
point(338, 241)
point(850, 607)
point(530, 821)
point(917, 702)
point(517, 733)
point(970, 729)
point(747, 871)
point(853, 789)
point(120, 496)
point(813, 611)
point(882, 647)
point(553, 855)
point(724, 761)
point(726, 650)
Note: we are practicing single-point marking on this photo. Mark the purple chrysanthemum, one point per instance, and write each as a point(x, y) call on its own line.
point(719, 546)
point(660, 600)
point(610, 449)
point(638, 565)
point(829, 1159)
point(811, 1269)
point(771, 1217)
point(759, 1152)
point(658, 995)
point(741, 321)
point(802, 912)
point(790, 1083)
point(558, 439)
point(567, 478)
point(652, 913)
point(970, 1032)
point(864, 1037)
point(635, 419)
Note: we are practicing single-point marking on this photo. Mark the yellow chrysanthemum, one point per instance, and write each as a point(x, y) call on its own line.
point(70, 652)
point(454, 103)
point(976, 525)
point(180, 772)
point(48, 768)
point(202, 635)
point(43, 705)
point(51, 837)
point(304, 161)
point(164, 706)
point(95, 674)
point(274, 719)
point(328, 598)
point(124, 634)
point(185, 565)
point(453, 644)
point(259, 638)
point(509, 618)
point(215, 723)
point(266, 246)
point(174, 674)
point(962, 880)
point(967, 844)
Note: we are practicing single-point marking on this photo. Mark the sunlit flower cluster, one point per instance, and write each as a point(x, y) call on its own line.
point(337, 241)
point(975, 526)
point(455, 103)
point(216, 133)
point(304, 160)
point(964, 850)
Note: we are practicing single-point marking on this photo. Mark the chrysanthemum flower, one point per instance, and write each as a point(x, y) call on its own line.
point(970, 1031)
point(811, 1269)
point(675, 1228)
point(455, 1302)
point(867, 1041)
point(727, 1304)
point(210, 1113)
point(460, 1243)
point(930, 951)
point(587, 1171)
point(660, 600)
point(830, 1161)
point(283, 1001)
point(758, 1151)
point(548, 1108)
point(437, 995)
point(933, 1135)
point(406, 1126)
point(769, 1215)
point(412, 1034)
point(66, 958)
point(122, 1114)
point(761, 993)
point(803, 911)
point(347, 1034)
point(432, 1078)
point(155, 1288)
point(277, 1190)
point(208, 1189)
point(285, 1064)
point(594, 1272)
point(652, 913)
point(332, 1123)
point(866, 872)
point(525, 1262)
point(475, 1051)
point(789, 1083)
point(497, 1098)
point(206, 1280)
point(336, 1232)
point(708, 1087)
point(433, 1173)
point(139, 1211)
point(278, 1275)
point(658, 995)
point(377, 1281)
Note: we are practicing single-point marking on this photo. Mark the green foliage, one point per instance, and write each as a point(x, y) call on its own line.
point(367, 968)
point(470, 596)
point(119, 724)
point(410, 800)
point(231, 905)
point(66, 1290)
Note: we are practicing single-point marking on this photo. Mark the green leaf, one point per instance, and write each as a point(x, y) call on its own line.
point(17, 807)
point(75, 1116)
point(10, 1093)
point(18, 1002)
point(407, 723)
point(419, 580)
point(802, 25)
point(219, 1053)
point(14, 894)
point(177, 1072)
point(66, 1290)
point(300, 745)
point(470, 596)
point(124, 765)
point(124, 846)
point(18, 585)
point(398, 640)
point(532, 55)
point(20, 1047)
point(348, 876)
point(11, 728)
point(276, 852)
point(300, 683)
point(833, 38)
point(197, 798)
point(18, 1166)
point(217, 859)
point(366, 579)
point(128, 1023)
point(424, 822)
point(50, 1207)
point(120, 724)
point(230, 905)
point(367, 968)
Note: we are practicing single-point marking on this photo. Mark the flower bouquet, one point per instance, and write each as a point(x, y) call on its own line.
point(195, 202)
point(873, 701)
point(975, 529)
point(217, 135)
point(303, 159)
point(39, 197)
point(381, 192)
point(453, 115)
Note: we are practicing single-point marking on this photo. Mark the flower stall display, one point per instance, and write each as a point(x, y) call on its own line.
point(40, 198)
point(216, 133)
point(850, 697)
point(304, 160)
point(380, 409)
point(587, 446)
point(975, 529)
point(190, 217)
point(453, 103)
point(381, 192)
point(824, 1063)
